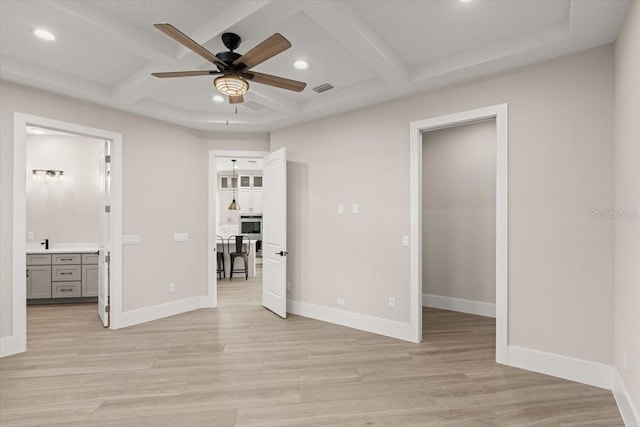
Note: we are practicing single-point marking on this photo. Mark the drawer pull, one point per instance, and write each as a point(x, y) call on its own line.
point(66, 290)
point(66, 259)
point(62, 273)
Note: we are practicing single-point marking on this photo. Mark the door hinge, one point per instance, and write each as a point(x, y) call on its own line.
point(107, 209)
point(107, 258)
point(107, 159)
point(107, 308)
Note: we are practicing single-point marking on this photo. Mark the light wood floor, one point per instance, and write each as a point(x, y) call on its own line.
point(240, 365)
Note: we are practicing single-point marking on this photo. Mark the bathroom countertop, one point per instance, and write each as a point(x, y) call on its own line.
point(35, 248)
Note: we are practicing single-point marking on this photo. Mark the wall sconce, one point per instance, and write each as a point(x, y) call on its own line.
point(49, 174)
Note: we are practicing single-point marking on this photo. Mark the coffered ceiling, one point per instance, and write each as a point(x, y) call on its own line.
point(369, 51)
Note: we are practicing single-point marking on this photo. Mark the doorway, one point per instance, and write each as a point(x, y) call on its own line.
point(17, 343)
point(225, 185)
point(499, 113)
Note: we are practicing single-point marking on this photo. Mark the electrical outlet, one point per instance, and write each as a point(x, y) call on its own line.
point(355, 208)
point(172, 287)
point(392, 302)
point(288, 285)
point(30, 235)
point(340, 301)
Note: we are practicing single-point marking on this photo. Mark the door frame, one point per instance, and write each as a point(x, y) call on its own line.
point(212, 277)
point(20, 123)
point(417, 128)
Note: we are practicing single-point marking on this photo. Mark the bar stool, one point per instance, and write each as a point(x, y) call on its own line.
point(220, 258)
point(239, 252)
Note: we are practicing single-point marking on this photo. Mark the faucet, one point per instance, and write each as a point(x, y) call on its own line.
point(45, 243)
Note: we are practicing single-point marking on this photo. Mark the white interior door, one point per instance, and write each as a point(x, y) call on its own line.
point(274, 233)
point(104, 241)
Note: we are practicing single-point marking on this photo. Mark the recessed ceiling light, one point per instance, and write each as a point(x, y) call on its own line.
point(217, 98)
point(464, 1)
point(43, 34)
point(301, 65)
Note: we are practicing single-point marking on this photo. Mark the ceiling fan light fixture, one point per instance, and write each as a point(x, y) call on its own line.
point(231, 85)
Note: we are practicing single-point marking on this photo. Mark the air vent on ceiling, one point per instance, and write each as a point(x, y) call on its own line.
point(322, 88)
point(253, 105)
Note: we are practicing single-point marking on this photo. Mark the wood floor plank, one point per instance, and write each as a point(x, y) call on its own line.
point(240, 365)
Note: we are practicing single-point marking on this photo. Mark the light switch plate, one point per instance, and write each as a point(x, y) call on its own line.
point(405, 240)
point(131, 239)
point(340, 209)
point(356, 208)
point(30, 235)
point(180, 237)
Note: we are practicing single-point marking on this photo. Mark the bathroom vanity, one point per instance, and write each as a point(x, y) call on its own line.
point(63, 275)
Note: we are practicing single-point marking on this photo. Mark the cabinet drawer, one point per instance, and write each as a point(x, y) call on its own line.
point(39, 259)
point(66, 259)
point(65, 289)
point(89, 258)
point(66, 273)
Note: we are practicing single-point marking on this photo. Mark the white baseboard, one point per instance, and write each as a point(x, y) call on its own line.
point(569, 368)
point(628, 411)
point(478, 308)
point(147, 314)
point(11, 345)
point(363, 322)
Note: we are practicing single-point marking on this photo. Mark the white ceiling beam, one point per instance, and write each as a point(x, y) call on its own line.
point(114, 30)
point(348, 28)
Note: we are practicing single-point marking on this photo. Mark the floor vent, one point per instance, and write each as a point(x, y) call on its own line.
point(322, 88)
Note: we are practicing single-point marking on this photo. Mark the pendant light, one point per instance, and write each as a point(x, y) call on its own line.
point(234, 206)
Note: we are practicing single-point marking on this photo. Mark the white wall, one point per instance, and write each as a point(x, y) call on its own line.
point(459, 212)
point(164, 191)
point(561, 165)
point(627, 200)
point(66, 210)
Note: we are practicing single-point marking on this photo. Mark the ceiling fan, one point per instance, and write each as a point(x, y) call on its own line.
point(235, 69)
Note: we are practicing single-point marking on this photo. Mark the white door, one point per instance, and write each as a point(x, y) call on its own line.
point(104, 241)
point(274, 233)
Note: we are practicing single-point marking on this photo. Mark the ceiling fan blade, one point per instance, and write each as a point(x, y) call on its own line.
point(265, 50)
point(281, 82)
point(238, 99)
point(185, 40)
point(185, 73)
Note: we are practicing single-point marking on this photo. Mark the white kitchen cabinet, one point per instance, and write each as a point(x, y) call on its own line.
point(228, 182)
point(250, 200)
point(245, 181)
point(227, 216)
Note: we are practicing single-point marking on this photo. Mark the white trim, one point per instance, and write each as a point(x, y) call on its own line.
point(160, 311)
point(19, 309)
point(628, 411)
point(579, 370)
point(363, 322)
point(10, 345)
point(500, 113)
point(212, 278)
point(461, 305)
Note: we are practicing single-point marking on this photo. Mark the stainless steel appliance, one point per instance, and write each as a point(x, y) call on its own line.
point(251, 225)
